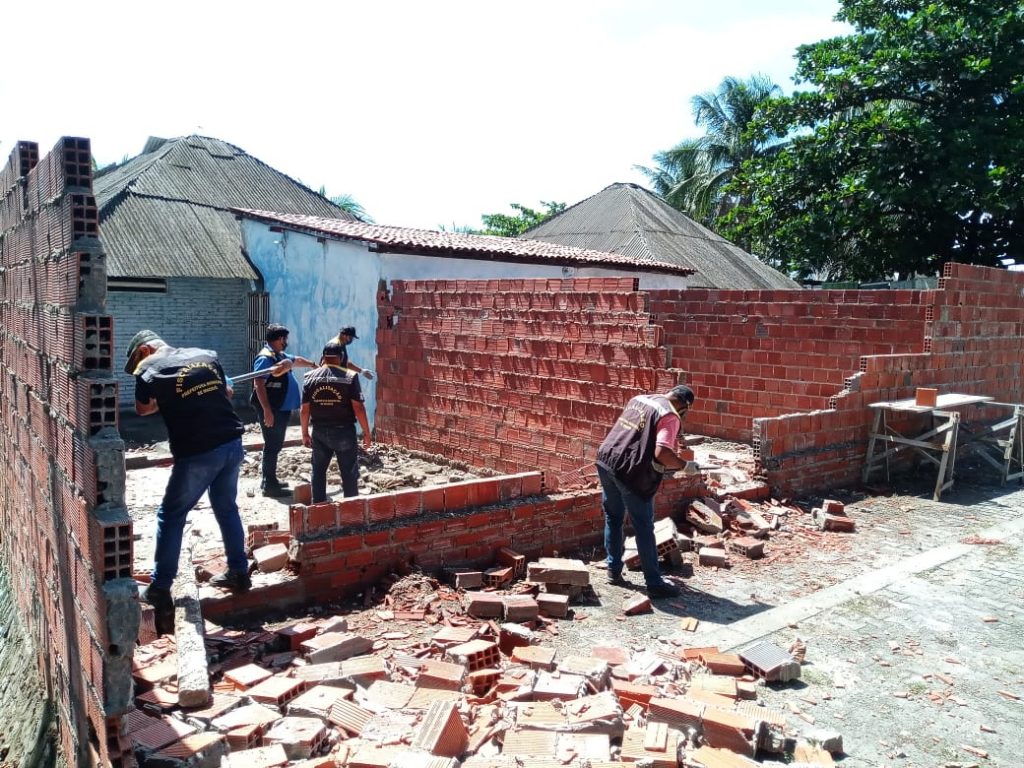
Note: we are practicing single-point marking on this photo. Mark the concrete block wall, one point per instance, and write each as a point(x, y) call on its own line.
point(66, 536)
point(207, 313)
point(972, 343)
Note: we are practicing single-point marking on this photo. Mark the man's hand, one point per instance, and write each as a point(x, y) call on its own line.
point(268, 419)
point(307, 440)
point(368, 374)
point(367, 442)
point(279, 369)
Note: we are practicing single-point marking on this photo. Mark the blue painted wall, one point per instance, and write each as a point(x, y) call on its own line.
point(316, 288)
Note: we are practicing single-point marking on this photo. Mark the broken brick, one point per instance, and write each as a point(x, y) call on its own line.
point(270, 558)
point(442, 731)
point(535, 656)
point(747, 546)
point(520, 608)
point(712, 556)
point(636, 605)
point(484, 605)
point(552, 605)
point(724, 663)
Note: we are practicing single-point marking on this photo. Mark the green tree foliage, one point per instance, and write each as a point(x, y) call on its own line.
point(694, 175)
point(348, 204)
point(512, 226)
point(908, 150)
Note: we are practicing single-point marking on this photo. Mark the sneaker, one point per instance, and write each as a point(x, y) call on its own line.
point(236, 581)
point(615, 577)
point(276, 491)
point(663, 590)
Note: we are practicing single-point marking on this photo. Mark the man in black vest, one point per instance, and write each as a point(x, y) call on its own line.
point(631, 462)
point(189, 390)
point(276, 396)
point(332, 402)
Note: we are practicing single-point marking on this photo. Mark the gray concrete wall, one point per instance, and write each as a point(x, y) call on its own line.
point(195, 312)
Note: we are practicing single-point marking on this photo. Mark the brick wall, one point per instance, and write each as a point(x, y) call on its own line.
point(521, 375)
point(767, 353)
point(972, 343)
point(514, 375)
point(194, 312)
point(67, 537)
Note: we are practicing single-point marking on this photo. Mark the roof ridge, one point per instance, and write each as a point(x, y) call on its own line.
point(637, 229)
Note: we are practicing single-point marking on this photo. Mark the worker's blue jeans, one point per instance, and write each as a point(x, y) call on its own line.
point(334, 441)
point(616, 501)
point(215, 471)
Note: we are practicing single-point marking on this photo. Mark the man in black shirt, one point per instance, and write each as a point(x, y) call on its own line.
point(332, 402)
point(189, 389)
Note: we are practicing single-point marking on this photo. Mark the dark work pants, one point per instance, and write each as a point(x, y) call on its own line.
point(273, 441)
point(339, 442)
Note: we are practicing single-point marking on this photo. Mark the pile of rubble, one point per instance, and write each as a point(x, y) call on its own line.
point(446, 676)
point(382, 468)
point(717, 529)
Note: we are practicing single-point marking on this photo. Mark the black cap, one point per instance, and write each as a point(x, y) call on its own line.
point(683, 394)
point(349, 330)
point(333, 350)
point(140, 338)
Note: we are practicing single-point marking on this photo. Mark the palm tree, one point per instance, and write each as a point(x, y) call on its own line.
point(692, 176)
point(348, 204)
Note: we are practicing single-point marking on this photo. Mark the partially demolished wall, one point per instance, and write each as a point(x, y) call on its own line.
point(524, 375)
point(66, 536)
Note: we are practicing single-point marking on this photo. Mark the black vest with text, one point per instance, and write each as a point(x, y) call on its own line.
point(277, 387)
point(628, 450)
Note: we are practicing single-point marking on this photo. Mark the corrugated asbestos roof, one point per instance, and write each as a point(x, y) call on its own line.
point(166, 213)
point(433, 243)
point(628, 220)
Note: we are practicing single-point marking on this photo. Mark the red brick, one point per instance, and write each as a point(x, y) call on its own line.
point(352, 511)
point(320, 517)
point(433, 499)
point(380, 507)
point(408, 503)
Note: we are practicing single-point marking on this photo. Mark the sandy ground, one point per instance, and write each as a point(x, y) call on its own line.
point(382, 468)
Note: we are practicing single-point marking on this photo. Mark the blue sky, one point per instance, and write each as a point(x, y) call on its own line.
point(428, 113)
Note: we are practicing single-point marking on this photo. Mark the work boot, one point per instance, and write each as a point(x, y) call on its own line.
point(615, 577)
point(663, 590)
point(235, 581)
point(163, 608)
point(276, 490)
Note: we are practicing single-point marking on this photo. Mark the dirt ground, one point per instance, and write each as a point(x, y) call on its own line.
point(382, 468)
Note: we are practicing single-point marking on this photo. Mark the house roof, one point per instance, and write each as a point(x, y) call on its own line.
point(430, 242)
point(629, 220)
point(167, 212)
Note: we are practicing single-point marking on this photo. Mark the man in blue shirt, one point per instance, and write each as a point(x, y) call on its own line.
point(274, 398)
